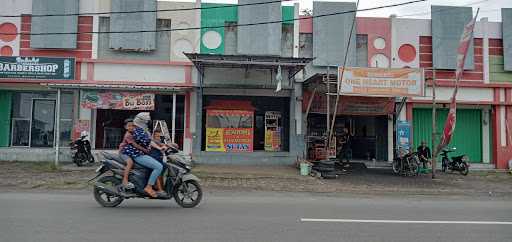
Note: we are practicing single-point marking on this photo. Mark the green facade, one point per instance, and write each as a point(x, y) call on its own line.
point(219, 14)
point(5, 117)
point(496, 71)
point(467, 135)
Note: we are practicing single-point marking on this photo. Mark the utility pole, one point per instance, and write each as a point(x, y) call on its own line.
point(434, 128)
point(328, 111)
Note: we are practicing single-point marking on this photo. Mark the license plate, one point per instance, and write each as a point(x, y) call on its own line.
point(99, 169)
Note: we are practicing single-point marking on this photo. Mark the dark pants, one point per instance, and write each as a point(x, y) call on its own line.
point(344, 154)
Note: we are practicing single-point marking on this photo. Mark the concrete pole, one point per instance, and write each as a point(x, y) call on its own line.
point(173, 122)
point(434, 127)
point(328, 108)
point(57, 129)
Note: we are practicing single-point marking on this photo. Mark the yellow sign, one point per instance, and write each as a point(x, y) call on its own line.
point(382, 81)
point(215, 139)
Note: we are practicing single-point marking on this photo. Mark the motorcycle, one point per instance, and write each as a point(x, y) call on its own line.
point(179, 183)
point(406, 164)
point(81, 150)
point(456, 163)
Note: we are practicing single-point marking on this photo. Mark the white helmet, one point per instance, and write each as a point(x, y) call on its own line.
point(84, 134)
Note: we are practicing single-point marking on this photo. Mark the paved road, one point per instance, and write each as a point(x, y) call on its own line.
point(258, 217)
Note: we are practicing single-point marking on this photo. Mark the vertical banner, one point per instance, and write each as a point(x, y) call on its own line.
point(403, 135)
point(229, 130)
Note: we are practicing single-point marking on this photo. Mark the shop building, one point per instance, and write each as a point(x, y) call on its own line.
point(400, 43)
point(113, 76)
point(250, 106)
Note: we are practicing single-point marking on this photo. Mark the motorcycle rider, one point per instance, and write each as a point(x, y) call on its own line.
point(143, 139)
point(424, 153)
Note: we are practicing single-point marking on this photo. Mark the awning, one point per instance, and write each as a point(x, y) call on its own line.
point(120, 87)
point(294, 65)
point(351, 105)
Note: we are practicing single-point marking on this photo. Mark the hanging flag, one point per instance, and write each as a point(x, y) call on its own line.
point(279, 79)
point(451, 120)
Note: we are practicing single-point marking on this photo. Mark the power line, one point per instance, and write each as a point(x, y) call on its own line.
point(220, 26)
point(146, 11)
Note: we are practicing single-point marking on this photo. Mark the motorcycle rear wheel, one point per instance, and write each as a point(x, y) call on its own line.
point(464, 168)
point(188, 191)
point(104, 199)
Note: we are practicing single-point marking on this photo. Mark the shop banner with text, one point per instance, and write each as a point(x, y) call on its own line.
point(117, 100)
point(37, 68)
point(229, 131)
point(382, 81)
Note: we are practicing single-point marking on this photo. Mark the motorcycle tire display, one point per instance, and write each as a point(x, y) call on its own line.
point(464, 168)
point(185, 191)
point(105, 199)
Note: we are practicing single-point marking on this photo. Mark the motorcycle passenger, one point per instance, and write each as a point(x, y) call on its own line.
point(157, 149)
point(139, 155)
point(127, 139)
point(424, 153)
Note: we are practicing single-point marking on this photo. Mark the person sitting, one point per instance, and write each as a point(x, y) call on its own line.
point(139, 154)
point(157, 149)
point(127, 139)
point(424, 153)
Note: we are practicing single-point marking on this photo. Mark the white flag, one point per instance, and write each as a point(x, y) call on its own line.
point(279, 79)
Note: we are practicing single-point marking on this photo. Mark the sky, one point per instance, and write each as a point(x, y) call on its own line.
point(488, 8)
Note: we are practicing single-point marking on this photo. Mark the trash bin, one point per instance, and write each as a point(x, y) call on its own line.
point(305, 169)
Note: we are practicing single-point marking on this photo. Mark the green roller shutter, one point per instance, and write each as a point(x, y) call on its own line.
point(468, 130)
point(5, 118)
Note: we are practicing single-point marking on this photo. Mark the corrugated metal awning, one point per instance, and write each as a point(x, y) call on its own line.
point(124, 87)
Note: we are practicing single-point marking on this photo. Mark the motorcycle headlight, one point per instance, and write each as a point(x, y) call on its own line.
point(465, 158)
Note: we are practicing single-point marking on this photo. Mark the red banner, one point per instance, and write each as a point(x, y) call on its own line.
point(451, 120)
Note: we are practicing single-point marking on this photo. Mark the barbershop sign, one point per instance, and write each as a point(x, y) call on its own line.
point(37, 68)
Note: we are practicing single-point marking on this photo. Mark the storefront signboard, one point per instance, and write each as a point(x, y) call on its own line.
point(403, 135)
point(37, 68)
point(117, 100)
point(382, 81)
point(272, 131)
point(229, 130)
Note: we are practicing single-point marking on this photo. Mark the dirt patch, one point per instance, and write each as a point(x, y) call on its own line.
point(42, 176)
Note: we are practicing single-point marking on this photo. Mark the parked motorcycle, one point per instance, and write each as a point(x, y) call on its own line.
point(81, 150)
point(456, 163)
point(406, 164)
point(179, 183)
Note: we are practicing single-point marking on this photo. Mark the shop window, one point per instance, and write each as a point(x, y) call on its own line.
point(362, 50)
point(33, 118)
point(269, 122)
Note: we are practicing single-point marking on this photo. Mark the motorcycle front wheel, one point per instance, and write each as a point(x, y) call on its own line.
point(105, 199)
point(445, 164)
point(188, 194)
point(396, 167)
point(464, 168)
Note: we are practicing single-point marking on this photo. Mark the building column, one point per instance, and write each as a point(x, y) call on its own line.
point(486, 137)
point(391, 143)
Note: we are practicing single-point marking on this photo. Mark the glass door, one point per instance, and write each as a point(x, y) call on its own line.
point(43, 123)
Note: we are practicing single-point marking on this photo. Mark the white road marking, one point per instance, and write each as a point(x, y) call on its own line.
point(403, 221)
